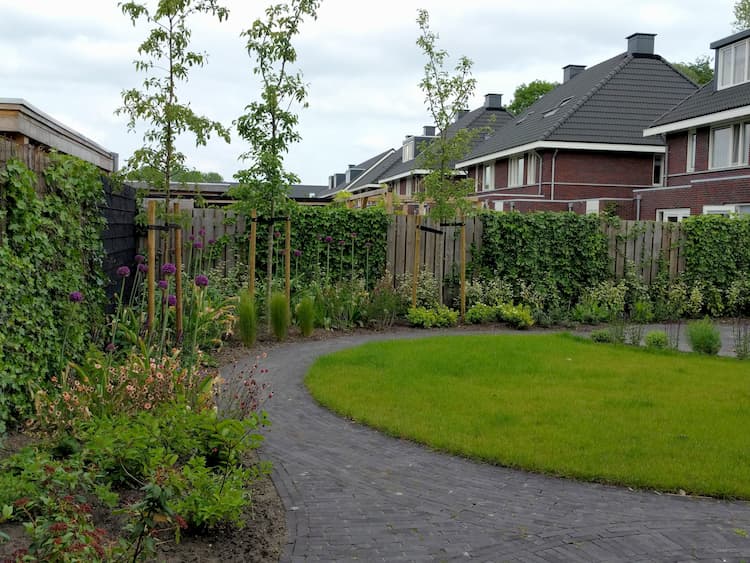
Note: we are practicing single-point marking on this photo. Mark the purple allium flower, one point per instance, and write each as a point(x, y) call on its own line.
point(168, 269)
point(171, 300)
point(282, 251)
point(297, 253)
point(201, 280)
point(75, 296)
point(368, 244)
point(123, 271)
point(110, 348)
point(143, 268)
point(328, 239)
point(211, 241)
point(276, 234)
point(353, 235)
point(163, 284)
point(342, 242)
point(140, 258)
point(191, 238)
point(201, 231)
point(197, 245)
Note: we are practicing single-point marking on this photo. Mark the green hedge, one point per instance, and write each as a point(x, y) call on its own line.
point(717, 249)
point(562, 251)
point(49, 247)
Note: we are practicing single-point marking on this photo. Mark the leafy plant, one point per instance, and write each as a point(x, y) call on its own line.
point(657, 339)
point(306, 315)
point(247, 320)
point(601, 335)
point(704, 337)
point(481, 313)
point(385, 304)
point(517, 316)
point(441, 316)
point(279, 316)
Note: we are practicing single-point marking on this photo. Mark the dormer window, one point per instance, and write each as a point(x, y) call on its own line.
point(408, 151)
point(733, 64)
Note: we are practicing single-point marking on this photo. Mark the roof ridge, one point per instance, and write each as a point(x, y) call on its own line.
point(586, 97)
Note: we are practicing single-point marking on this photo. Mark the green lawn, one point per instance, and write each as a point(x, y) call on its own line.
point(555, 404)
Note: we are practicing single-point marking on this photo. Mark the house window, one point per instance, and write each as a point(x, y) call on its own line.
point(672, 215)
point(729, 145)
point(409, 185)
point(692, 143)
point(531, 172)
point(489, 177)
point(733, 64)
point(731, 210)
point(658, 169)
point(515, 171)
point(408, 151)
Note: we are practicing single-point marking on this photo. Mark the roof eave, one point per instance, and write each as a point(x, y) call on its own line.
point(699, 121)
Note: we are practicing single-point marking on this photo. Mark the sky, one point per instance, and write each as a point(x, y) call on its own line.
point(73, 59)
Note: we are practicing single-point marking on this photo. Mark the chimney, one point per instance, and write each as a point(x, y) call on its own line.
point(641, 44)
point(493, 101)
point(331, 182)
point(428, 131)
point(570, 71)
point(339, 179)
point(352, 173)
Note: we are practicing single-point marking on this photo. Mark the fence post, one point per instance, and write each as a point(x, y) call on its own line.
point(251, 261)
point(178, 272)
point(288, 264)
point(415, 281)
point(151, 276)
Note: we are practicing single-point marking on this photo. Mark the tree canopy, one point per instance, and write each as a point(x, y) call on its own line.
point(742, 15)
point(700, 71)
point(527, 94)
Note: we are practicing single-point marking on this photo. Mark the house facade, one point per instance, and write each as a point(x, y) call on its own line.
point(708, 143)
point(581, 146)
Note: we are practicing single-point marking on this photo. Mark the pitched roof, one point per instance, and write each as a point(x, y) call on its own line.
point(706, 101)
point(373, 167)
point(611, 102)
point(493, 119)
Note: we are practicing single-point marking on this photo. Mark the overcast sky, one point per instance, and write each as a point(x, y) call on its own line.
point(71, 59)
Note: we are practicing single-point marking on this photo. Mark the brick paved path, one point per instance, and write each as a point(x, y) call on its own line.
point(352, 493)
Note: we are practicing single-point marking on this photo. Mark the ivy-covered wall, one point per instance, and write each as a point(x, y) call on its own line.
point(51, 281)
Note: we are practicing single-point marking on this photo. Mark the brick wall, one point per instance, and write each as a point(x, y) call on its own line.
point(715, 191)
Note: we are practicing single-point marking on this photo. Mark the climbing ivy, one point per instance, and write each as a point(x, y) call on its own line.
point(562, 252)
point(50, 248)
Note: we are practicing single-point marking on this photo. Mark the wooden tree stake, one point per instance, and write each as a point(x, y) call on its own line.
point(253, 235)
point(288, 263)
point(463, 266)
point(415, 281)
point(178, 273)
point(151, 276)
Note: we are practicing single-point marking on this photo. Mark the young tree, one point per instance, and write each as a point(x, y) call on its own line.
point(527, 94)
point(446, 95)
point(701, 71)
point(741, 15)
point(166, 60)
point(270, 124)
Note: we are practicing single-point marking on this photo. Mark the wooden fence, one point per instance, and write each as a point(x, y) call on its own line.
point(646, 245)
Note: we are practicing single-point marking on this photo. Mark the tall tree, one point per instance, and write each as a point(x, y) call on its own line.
point(741, 15)
point(270, 124)
point(166, 59)
point(527, 94)
point(446, 95)
point(700, 71)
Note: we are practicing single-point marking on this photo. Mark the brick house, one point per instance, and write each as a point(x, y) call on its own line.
point(581, 146)
point(708, 141)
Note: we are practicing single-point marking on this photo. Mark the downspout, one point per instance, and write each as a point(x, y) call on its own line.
point(552, 182)
point(638, 207)
point(539, 173)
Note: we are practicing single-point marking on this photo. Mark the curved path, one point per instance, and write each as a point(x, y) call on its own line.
point(352, 493)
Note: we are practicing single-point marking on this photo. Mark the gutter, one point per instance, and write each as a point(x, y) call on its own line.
point(552, 183)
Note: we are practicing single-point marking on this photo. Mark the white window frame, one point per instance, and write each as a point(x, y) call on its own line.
point(407, 153)
point(726, 78)
point(737, 139)
point(678, 213)
point(515, 171)
point(488, 177)
point(692, 145)
point(728, 210)
point(409, 185)
point(658, 161)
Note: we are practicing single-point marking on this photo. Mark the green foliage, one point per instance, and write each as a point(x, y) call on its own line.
point(717, 249)
point(480, 313)
point(385, 305)
point(567, 250)
point(342, 305)
point(166, 61)
point(50, 246)
point(741, 15)
point(526, 94)
point(517, 316)
point(700, 71)
point(657, 340)
point(488, 291)
point(601, 335)
point(741, 336)
point(428, 289)
point(279, 316)
point(440, 316)
point(446, 96)
point(247, 319)
point(306, 315)
point(704, 337)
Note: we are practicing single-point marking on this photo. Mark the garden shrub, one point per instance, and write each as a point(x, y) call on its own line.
point(385, 304)
point(517, 316)
point(704, 337)
point(247, 319)
point(481, 313)
point(568, 249)
point(657, 340)
point(52, 282)
point(489, 291)
point(342, 305)
point(279, 316)
point(440, 316)
point(306, 315)
point(601, 335)
point(428, 288)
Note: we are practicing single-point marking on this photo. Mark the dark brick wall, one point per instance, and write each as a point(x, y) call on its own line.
point(717, 191)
